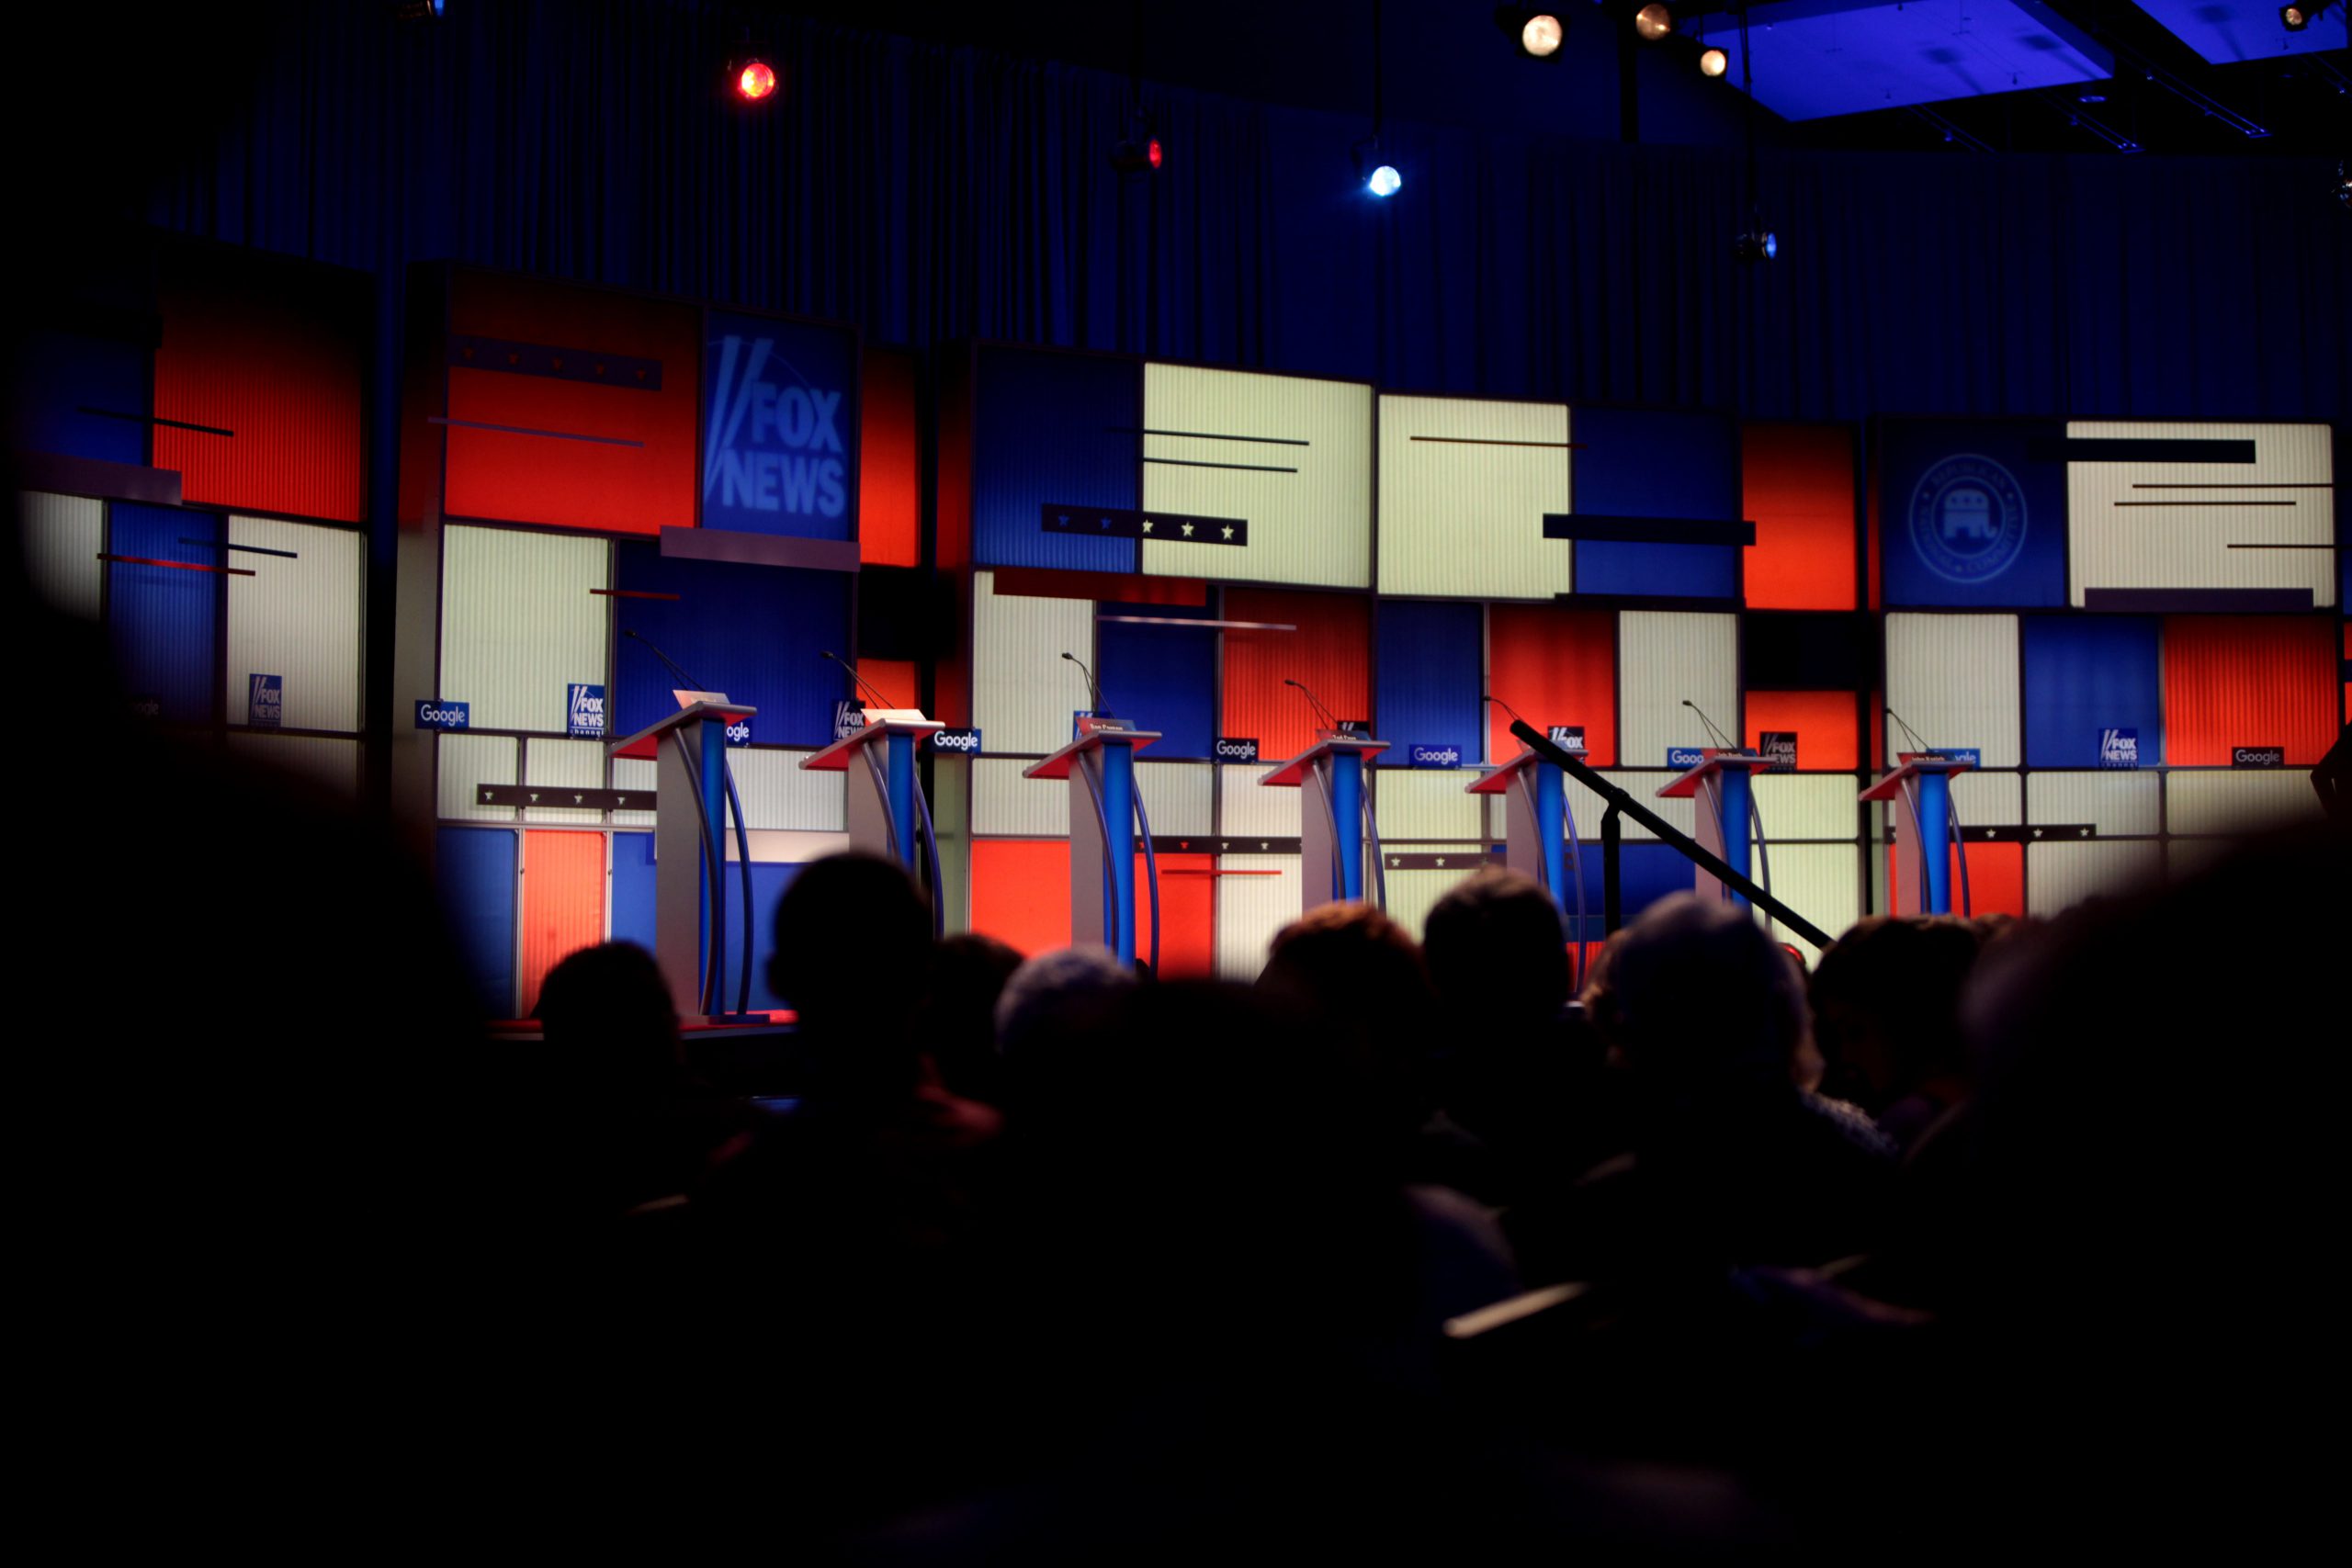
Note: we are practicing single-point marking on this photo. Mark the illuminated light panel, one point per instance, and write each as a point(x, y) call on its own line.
point(2173, 525)
point(1819, 58)
point(1464, 484)
point(1290, 454)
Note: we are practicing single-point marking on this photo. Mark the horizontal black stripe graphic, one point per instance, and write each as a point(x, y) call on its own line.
point(2137, 450)
point(2224, 600)
point(1591, 528)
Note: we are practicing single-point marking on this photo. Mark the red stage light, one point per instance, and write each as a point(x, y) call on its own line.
point(1151, 151)
point(755, 81)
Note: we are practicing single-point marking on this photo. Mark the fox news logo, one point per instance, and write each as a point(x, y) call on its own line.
point(1568, 738)
point(1236, 749)
point(1779, 750)
point(583, 709)
point(266, 701)
point(849, 717)
point(966, 741)
point(2119, 748)
point(772, 448)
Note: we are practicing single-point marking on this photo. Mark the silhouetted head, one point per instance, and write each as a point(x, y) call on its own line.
point(1496, 949)
point(1886, 1005)
point(853, 945)
point(1361, 973)
point(607, 1012)
point(1697, 1000)
point(1056, 1016)
point(969, 972)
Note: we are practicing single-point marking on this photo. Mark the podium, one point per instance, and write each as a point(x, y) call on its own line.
point(1722, 784)
point(1101, 767)
point(689, 846)
point(1921, 785)
point(1331, 823)
point(877, 765)
point(1538, 820)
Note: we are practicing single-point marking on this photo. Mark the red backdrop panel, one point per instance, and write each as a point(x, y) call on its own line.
point(638, 489)
point(2248, 681)
point(1330, 651)
point(1798, 488)
point(1020, 892)
point(1187, 916)
point(1557, 667)
point(890, 498)
point(896, 679)
point(278, 358)
point(1824, 722)
point(1995, 880)
point(563, 903)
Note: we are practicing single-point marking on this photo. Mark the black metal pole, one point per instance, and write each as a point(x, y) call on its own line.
point(1613, 899)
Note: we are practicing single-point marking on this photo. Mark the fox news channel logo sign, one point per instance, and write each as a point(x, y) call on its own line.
point(1434, 756)
point(583, 709)
point(1236, 749)
point(1778, 750)
point(1968, 519)
point(266, 701)
point(435, 714)
point(963, 742)
point(2119, 748)
point(779, 427)
point(1568, 738)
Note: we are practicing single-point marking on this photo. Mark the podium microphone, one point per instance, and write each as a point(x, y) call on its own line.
point(1914, 734)
point(1323, 713)
point(1489, 697)
point(675, 669)
point(863, 684)
point(1721, 738)
point(1093, 687)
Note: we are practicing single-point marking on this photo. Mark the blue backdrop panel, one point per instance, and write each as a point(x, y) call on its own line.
point(633, 889)
point(1646, 873)
point(756, 633)
point(1650, 463)
point(59, 376)
point(475, 869)
point(779, 444)
point(1428, 669)
point(769, 879)
point(1966, 519)
point(1059, 430)
point(1164, 678)
point(2084, 674)
point(163, 620)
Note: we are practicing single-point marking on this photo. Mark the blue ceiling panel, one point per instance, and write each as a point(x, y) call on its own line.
point(2226, 31)
point(1819, 58)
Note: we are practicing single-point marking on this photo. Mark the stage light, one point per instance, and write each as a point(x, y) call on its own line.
point(1537, 34)
point(421, 10)
point(1714, 62)
point(1757, 245)
point(754, 80)
point(2294, 19)
point(1138, 155)
point(1653, 20)
point(1384, 181)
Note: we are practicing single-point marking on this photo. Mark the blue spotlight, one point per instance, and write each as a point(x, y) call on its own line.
point(1384, 181)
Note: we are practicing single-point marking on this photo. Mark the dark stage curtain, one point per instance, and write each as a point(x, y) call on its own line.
point(930, 194)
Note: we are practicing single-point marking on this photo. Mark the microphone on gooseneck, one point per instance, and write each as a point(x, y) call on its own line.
point(1914, 734)
point(1721, 738)
point(1490, 698)
point(863, 684)
point(675, 668)
point(1093, 687)
point(1330, 722)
